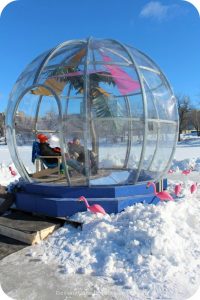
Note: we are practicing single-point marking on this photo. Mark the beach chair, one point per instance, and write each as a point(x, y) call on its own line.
point(44, 169)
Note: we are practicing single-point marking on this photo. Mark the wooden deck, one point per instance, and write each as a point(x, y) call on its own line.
point(76, 179)
point(9, 246)
point(21, 229)
point(27, 228)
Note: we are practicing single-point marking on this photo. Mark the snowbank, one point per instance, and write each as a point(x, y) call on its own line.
point(145, 247)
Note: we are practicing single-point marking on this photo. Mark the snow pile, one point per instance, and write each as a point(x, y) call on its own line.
point(145, 247)
point(186, 164)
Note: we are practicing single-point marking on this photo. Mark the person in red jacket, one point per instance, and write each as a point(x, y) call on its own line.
point(46, 150)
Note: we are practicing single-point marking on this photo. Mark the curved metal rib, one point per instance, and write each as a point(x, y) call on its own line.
point(129, 142)
point(49, 56)
point(87, 109)
point(20, 163)
point(144, 108)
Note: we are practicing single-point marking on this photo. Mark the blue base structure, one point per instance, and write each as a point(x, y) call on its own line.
point(61, 201)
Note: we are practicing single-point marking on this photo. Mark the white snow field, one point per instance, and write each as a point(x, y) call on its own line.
point(145, 252)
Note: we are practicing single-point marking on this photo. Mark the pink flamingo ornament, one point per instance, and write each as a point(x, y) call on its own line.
point(177, 189)
point(186, 172)
point(95, 208)
point(164, 195)
point(193, 188)
point(13, 173)
point(170, 171)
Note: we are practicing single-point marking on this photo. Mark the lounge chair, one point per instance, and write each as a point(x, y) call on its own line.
point(47, 171)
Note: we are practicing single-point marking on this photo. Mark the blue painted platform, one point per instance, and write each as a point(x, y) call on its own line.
point(62, 201)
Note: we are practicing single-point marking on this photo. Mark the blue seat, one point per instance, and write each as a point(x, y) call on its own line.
point(36, 154)
point(45, 169)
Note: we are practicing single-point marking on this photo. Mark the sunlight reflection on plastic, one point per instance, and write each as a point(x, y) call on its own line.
point(54, 139)
point(3, 296)
point(3, 4)
point(195, 3)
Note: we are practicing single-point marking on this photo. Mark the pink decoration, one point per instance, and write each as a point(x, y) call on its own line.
point(177, 189)
point(193, 188)
point(13, 173)
point(123, 81)
point(164, 195)
point(186, 172)
point(95, 208)
point(170, 171)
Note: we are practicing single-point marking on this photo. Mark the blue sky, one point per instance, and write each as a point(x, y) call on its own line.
point(167, 31)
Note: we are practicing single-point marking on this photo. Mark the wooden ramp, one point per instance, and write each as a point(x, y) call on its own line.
point(27, 228)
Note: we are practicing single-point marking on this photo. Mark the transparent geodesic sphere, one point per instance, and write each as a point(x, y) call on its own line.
point(110, 97)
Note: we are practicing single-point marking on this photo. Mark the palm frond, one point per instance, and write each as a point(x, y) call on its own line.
point(102, 76)
point(106, 107)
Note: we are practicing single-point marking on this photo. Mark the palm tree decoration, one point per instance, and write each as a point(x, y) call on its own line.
point(99, 99)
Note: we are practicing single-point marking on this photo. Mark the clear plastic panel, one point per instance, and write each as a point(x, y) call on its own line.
point(73, 119)
point(64, 68)
point(151, 103)
point(109, 123)
point(141, 59)
point(24, 81)
point(24, 130)
point(109, 50)
point(153, 80)
point(35, 115)
point(166, 142)
point(151, 144)
point(137, 136)
point(31, 70)
point(113, 79)
point(74, 138)
point(136, 106)
point(48, 120)
point(111, 137)
point(165, 102)
point(68, 55)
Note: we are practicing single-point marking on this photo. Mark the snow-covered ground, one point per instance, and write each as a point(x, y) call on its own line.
point(145, 252)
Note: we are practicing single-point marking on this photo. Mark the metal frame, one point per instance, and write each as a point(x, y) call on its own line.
point(86, 106)
point(177, 124)
point(128, 62)
point(129, 141)
point(37, 112)
point(145, 112)
point(49, 56)
point(158, 128)
point(24, 172)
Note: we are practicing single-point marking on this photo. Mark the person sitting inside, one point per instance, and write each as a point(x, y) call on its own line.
point(76, 151)
point(46, 150)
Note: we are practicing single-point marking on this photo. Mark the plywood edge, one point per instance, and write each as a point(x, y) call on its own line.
point(28, 238)
point(42, 234)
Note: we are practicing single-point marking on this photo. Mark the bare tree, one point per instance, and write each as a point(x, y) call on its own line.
point(184, 107)
point(195, 120)
point(2, 126)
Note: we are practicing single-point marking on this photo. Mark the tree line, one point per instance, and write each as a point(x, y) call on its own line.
point(189, 119)
point(2, 127)
point(189, 115)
